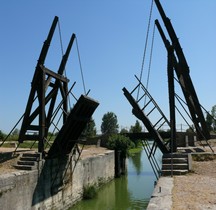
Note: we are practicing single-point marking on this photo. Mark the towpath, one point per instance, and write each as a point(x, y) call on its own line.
point(194, 191)
point(7, 166)
point(197, 190)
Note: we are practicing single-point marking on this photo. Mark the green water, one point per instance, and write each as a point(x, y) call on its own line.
point(130, 192)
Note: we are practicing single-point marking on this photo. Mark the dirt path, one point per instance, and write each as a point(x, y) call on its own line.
point(197, 190)
point(7, 162)
point(7, 166)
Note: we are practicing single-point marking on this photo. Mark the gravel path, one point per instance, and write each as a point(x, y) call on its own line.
point(197, 190)
point(7, 166)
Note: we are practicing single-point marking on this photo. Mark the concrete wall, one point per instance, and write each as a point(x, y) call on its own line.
point(185, 139)
point(53, 186)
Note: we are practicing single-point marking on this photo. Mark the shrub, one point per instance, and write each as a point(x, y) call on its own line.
point(89, 192)
point(2, 135)
point(120, 142)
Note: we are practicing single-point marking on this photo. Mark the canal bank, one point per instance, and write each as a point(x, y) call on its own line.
point(58, 184)
point(196, 190)
point(128, 192)
point(161, 198)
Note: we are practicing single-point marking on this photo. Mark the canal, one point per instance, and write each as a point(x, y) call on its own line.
point(129, 192)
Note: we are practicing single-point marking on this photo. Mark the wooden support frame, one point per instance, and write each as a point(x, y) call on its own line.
point(171, 87)
point(183, 74)
point(43, 94)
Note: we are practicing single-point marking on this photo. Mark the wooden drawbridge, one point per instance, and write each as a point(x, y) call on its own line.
point(43, 106)
point(176, 63)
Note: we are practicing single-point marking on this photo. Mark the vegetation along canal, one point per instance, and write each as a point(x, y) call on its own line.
point(129, 192)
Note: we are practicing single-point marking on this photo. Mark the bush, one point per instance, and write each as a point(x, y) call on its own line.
point(2, 135)
point(120, 142)
point(89, 192)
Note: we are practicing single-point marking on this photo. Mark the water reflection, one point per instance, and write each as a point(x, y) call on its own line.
point(130, 192)
point(137, 162)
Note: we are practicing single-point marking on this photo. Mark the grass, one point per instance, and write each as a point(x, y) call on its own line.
point(135, 150)
point(22, 145)
point(12, 140)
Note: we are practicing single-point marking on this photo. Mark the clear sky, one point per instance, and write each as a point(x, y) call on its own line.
point(111, 37)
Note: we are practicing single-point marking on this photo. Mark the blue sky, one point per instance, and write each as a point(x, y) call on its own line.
point(111, 37)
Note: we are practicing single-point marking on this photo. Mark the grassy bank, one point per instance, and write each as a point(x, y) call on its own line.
point(135, 150)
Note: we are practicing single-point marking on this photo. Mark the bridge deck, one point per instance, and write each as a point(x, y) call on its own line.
point(73, 127)
point(137, 111)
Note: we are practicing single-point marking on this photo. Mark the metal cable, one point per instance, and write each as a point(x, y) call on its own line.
point(146, 44)
point(80, 66)
point(60, 36)
point(62, 51)
point(150, 61)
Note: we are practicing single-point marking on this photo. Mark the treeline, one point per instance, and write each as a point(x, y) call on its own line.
point(211, 119)
point(109, 125)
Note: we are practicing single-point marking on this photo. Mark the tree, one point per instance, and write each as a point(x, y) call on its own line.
point(90, 130)
point(213, 113)
point(109, 123)
point(209, 121)
point(124, 130)
point(190, 129)
point(15, 132)
point(137, 128)
point(121, 143)
point(2, 135)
